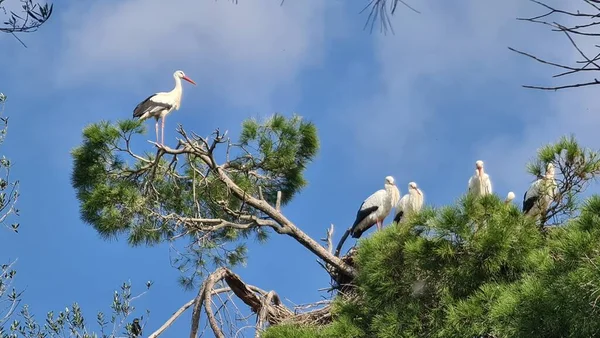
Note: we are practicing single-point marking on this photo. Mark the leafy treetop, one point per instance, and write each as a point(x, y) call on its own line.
point(185, 192)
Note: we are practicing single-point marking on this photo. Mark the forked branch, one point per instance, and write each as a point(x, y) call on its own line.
point(204, 149)
point(266, 305)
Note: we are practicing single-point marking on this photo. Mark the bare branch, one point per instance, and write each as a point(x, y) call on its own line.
point(329, 238)
point(172, 319)
point(266, 305)
point(278, 202)
point(588, 63)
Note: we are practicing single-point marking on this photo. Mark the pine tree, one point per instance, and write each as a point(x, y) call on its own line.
point(477, 268)
point(481, 268)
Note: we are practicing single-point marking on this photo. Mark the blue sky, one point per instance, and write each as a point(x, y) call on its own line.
point(422, 105)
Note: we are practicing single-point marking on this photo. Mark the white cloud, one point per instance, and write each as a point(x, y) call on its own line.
point(242, 52)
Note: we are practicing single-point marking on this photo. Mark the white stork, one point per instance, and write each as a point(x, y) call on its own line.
point(160, 104)
point(509, 197)
point(480, 183)
point(540, 194)
point(409, 203)
point(376, 208)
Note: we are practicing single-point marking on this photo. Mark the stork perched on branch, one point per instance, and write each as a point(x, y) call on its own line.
point(540, 194)
point(409, 203)
point(376, 208)
point(480, 183)
point(159, 105)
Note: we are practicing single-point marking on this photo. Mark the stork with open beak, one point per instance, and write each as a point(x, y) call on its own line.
point(159, 105)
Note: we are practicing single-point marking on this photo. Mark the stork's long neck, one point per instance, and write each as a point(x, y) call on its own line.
point(177, 91)
point(481, 174)
point(393, 194)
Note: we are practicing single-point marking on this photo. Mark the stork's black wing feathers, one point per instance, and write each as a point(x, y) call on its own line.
point(148, 104)
point(360, 215)
point(398, 216)
point(529, 202)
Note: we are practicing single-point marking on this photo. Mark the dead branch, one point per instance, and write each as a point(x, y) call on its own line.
point(590, 15)
point(262, 315)
point(260, 193)
point(278, 202)
point(338, 249)
point(266, 305)
point(329, 239)
point(172, 319)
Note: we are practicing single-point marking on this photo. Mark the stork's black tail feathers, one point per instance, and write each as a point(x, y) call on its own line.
point(398, 216)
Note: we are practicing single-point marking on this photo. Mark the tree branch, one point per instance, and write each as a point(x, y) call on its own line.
point(205, 153)
point(589, 63)
point(266, 305)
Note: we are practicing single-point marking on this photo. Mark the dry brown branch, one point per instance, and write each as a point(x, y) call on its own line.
point(266, 305)
point(262, 315)
point(590, 14)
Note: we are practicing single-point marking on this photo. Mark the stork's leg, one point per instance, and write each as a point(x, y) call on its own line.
point(163, 130)
point(156, 130)
point(378, 226)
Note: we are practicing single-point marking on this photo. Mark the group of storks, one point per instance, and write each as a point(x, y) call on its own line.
point(379, 205)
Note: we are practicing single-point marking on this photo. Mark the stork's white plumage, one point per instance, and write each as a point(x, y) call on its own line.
point(159, 105)
point(540, 194)
point(509, 197)
point(409, 203)
point(480, 184)
point(376, 208)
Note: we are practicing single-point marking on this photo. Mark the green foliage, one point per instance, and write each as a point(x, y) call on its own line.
point(71, 322)
point(576, 167)
point(286, 147)
point(9, 192)
point(157, 197)
point(480, 268)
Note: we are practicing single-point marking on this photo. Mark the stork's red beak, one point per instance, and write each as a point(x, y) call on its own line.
point(189, 80)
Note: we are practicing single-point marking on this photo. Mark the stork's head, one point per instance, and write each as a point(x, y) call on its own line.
point(510, 196)
point(550, 170)
point(413, 186)
point(180, 74)
point(479, 167)
point(389, 180)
